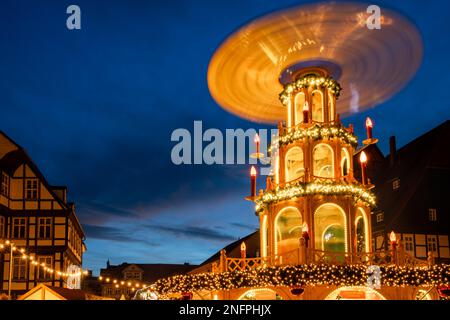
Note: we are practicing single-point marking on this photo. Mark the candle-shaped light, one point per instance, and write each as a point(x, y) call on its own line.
point(305, 112)
point(369, 127)
point(243, 250)
point(253, 182)
point(363, 161)
point(257, 141)
point(393, 238)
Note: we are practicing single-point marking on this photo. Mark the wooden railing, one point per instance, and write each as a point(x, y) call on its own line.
point(303, 255)
point(233, 264)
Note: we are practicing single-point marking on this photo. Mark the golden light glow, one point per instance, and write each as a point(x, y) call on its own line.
point(369, 123)
point(256, 140)
point(244, 73)
point(253, 171)
point(363, 157)
point(306, 106)
point(393, 237)
point(305, 227)
point(243, 246)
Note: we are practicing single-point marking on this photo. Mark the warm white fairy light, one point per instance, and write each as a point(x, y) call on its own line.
point(33, 262)
point(307, 81)
point(304, 275)
point(300, 189)
point(319, 131)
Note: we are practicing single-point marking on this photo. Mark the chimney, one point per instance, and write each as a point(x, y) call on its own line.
point(393, 150)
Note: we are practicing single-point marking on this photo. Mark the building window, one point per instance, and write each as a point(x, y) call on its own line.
point(31, 189)
point(19, 228)
point(432, 243)
point(409, 243)
point(396, 184)
point(44, 262)
point(380, 217)
point(19, 268)
point(5, 184)
point(432, 214)
point(45, 228)
point(133, 275)
point(2, 227)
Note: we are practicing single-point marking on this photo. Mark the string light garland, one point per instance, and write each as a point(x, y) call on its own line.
point(33, 262)
point(319, 132)
point(304, 275)
point(307, 81)
point(301, 189)
point(133, 285)
point(119, 283)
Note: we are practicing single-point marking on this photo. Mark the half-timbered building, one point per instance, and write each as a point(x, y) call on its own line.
point(37, 217)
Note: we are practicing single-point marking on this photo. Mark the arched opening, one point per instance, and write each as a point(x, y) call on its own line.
point(317, 106)
point(260, 294)
point(323, 162)
point(334, 238)
point(331, 107)
point(330, 228)
point(355, 293)
point(264, 236)
point(288, 230)
point(362, 232)
point(300, 99)
point(345, 162)
point(294, 165)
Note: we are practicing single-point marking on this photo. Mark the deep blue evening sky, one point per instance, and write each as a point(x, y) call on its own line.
point(95, 109)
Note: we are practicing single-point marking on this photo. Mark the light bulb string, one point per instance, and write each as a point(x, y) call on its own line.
point(33, 262)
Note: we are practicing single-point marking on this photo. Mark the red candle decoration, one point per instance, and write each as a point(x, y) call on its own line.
point(305, 112)
point(363, 161)
point(243, 250)
point(393, 239)
point(369, 127)
point(253, 181)
point(257, 141)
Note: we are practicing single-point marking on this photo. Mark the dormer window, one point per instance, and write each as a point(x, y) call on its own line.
point(395, 184)
point(432, 215)
point(5, 184)
point(136, 275)
point(133, 273)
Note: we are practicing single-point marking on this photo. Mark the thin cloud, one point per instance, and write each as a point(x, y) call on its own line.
point(195, 232)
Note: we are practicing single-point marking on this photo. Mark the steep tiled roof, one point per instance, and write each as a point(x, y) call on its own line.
point(423, 169)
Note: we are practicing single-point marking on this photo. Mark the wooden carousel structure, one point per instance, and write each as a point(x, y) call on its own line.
point(304, 68)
